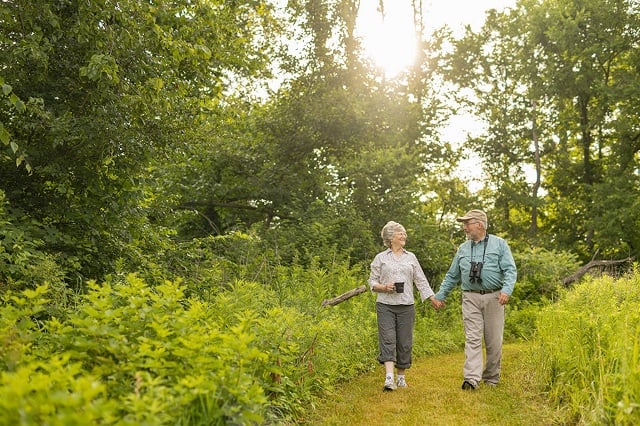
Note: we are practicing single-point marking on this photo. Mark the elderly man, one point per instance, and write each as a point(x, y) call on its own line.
point(487, 272)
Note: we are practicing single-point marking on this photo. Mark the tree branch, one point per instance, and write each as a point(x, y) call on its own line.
point(344, 296)
point(592, 264)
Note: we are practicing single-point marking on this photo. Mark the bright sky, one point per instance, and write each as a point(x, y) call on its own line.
point(391, 43)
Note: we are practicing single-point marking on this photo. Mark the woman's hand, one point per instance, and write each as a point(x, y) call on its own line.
point(387, 288)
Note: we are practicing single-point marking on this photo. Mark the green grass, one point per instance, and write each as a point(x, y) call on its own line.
point(434, 397)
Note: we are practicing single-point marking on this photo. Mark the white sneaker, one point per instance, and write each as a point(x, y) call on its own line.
point(389, 385)
point(402, 383)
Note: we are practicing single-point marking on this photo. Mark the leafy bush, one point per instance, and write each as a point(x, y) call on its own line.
point(589, 350)
point(24, 263)
point(520, 322)
point(136, 355)
point(439, 331)
point(540, 274)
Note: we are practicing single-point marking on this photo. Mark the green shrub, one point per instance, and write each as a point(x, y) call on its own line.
point(439, 331)
point(19, 331)
point(309, 348)
point(24, 262)
point(540, 274)
point(520, 323)
point(53, 391)
point(144, 356)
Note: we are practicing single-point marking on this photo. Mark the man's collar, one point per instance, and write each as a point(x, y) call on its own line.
point(485, 239)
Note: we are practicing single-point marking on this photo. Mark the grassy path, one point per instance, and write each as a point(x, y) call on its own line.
point(434, 397)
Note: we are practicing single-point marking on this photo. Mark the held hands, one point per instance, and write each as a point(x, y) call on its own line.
point(437, 304)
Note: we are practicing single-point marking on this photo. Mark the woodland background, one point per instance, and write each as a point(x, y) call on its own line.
point(183, 182)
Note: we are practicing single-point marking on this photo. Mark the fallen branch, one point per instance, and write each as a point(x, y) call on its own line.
point(344, 296)
point(592, 264)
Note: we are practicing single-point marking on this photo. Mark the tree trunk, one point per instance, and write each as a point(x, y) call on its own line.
point(533, 229)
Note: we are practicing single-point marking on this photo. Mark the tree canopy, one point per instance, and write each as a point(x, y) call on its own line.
point(126, 127)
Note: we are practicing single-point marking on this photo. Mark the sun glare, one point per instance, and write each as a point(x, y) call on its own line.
point(388, 41)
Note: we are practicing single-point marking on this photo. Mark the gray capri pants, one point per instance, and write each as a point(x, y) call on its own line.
point(395, 333)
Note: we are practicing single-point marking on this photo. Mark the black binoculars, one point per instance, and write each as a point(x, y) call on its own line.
point(475, 271)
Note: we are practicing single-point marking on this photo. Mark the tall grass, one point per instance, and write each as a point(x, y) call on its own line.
point(589, 350)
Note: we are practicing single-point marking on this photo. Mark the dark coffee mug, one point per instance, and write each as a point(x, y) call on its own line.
point(399, 287)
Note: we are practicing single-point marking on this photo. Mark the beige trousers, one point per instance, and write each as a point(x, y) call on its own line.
point(483, 319)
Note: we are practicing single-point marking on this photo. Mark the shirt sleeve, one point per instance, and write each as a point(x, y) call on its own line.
point(420, 280)
point(451, 278)
point(508, 267)
point(374, 275)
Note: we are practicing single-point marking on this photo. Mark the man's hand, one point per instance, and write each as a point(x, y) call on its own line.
point(503, 299)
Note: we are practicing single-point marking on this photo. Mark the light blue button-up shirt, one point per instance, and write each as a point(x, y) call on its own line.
point(498, 271)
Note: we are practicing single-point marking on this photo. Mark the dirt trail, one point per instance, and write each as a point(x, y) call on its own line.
point(434, 397)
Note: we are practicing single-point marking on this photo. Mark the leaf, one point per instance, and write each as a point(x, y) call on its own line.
point(6, 89)
point(156, 83)
point(15, 100)
point(4, 135)
point(101, 66)
point(20, 106)
point(14, 147)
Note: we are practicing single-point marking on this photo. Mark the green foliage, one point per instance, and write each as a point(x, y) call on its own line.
point(54, 391)
point(441, 331)
point(14, 106)
point(520, 322)
point(243, 353)
point(556, 82)
point(90, 92)
point(540, 274)
point(589, 350)
point(122, 149)
point(145, 355)
point(19, 329)
point(325, 234)
point(309, 348)
point(25, 264)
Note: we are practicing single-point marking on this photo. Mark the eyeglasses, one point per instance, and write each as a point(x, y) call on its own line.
point(470, 223)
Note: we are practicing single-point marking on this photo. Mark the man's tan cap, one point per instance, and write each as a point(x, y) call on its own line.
point(474, 214)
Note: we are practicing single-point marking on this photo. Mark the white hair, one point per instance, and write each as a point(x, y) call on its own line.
point(389, 230)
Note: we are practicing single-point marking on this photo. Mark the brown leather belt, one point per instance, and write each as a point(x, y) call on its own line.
point(482, 291)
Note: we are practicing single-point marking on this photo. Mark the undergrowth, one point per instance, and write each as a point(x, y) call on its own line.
point(589, 351)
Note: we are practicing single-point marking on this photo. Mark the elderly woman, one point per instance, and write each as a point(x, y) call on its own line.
point(394, 272)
